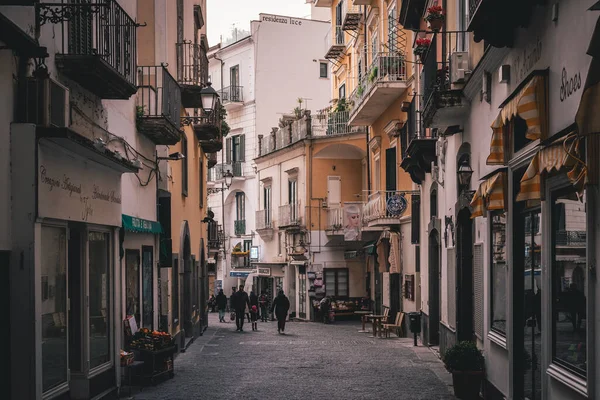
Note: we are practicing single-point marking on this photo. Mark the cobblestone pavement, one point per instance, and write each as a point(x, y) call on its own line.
point(311, 361)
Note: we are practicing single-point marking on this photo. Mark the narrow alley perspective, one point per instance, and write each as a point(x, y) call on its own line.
point(311, 361)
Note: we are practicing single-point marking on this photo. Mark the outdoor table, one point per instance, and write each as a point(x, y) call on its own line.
point(363, 319)
point(376, 321)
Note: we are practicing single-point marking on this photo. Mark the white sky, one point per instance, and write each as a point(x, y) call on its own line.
point(222, 14)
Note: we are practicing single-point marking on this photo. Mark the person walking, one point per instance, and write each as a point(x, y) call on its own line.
point(240, 301)
point(221, 301)
point(253, 302)
point(280, 307)
point(254, 315)
point(262, 302)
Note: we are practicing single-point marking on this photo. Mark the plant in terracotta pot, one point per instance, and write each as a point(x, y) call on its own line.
point(422, 47)
point(466, 363)
point(435, 17)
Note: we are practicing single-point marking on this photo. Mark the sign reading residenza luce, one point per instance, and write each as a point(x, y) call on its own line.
point(72, 189)
point(281, 20)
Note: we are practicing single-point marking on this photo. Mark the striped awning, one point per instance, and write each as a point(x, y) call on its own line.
point(490, 195)
point(394, 257)
point(564, 153)
point(528, 104)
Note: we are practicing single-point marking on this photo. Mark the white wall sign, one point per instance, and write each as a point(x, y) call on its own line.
point(70, 188)
point(281, 20)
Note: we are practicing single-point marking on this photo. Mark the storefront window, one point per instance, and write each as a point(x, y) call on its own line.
point(336, 282)
point(569, 282)
point(132, 283)
point(54, 307)
point(148, 286)
point(499, 273)
point(99, 298)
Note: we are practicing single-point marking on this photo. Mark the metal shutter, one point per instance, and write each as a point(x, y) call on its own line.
point(478, 289)
point(451, 288)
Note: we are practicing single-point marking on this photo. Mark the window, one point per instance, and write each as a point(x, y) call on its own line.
point(499, 273)
point(433, 204)
point(99, 298)
point(377, 183)
point(569, 282)
point(323, 70)
point(374, 44)
point(392, 34)
point(293, 199)
point(247, 247)
point(184, 166)
point(486, 93)
point(463, 25)
point(236, 152)
point(240, 206)
point(279, 237)
point(267, 205)
point(342, 91)
point(235, 93)
point(54, 307)
point(132, 284)
point(336, 282)
point(359, 71)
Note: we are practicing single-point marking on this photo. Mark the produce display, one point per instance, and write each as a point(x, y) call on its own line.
point(145, 339)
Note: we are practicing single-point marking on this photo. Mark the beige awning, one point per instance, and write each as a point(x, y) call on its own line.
point(394, 258)
point(490, 195)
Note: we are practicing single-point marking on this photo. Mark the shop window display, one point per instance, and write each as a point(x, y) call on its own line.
point(569, 282)
point(132, 279)
point(54, 307)
point(499, 273)
point(99, 298)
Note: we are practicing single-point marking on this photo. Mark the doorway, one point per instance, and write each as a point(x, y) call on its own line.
point(187, 286)
point(434, 288)
point(464, 270)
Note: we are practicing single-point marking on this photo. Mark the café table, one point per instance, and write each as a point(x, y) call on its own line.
point(376, 322)
point(363, 319)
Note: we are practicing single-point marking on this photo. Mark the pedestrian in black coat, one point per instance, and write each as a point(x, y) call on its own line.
point(240, 300)
point(221, 301)
point(280, 307)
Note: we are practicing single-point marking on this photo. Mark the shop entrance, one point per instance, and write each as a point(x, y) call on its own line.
point(464, 295)
point(434, 288)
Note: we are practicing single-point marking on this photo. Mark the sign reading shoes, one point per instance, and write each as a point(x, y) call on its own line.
point(73, 189)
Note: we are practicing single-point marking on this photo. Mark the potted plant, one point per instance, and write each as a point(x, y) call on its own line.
point(466, 363)
point(435, 17)
point(422, 47)
point(373, 74)
point(360, 90)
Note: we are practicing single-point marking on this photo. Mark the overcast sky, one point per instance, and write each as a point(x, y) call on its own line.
point(222, 14)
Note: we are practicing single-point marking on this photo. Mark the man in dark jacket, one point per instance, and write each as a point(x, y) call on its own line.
point(240, 300)
point(281, 306)
point(221, 301)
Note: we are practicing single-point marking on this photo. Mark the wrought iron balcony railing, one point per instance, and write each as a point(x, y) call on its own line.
point(384, 204)
point(335, 218)
point(263, 219)
point(232, 94)
point(192, 68)
point(329, 123)
point(218, 171)
point(571, 238)
point(215, 235)
point(292, 132)
point(97, 45)
point(240, 227)
point(158, 105)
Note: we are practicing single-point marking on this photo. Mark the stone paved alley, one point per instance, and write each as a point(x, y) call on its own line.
point(312, 361)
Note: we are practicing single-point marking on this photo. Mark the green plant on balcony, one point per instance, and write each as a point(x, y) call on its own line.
point(298, 111)
point(422, 47)
point(373, 74)
point(140, 111)
point(360, 90)
point(341, 105)
point(224, 125)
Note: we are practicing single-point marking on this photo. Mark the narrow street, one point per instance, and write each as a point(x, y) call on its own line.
point(311, 361)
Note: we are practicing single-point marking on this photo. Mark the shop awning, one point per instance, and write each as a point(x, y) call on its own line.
point(528, 103)
point(140, 225)
point(563, 153)
point(370, 248)
point(490, 195)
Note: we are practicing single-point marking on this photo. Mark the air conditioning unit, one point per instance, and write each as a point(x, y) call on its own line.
point(47, 103)
point(459, 65)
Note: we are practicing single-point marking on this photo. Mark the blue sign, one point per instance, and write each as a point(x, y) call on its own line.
point(396, 204)
point(239, 274)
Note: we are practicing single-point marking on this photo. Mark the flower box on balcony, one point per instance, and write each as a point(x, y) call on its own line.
point(435, 17)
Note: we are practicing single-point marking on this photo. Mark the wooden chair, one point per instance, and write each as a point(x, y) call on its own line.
point(397, 325)
point(386, 313)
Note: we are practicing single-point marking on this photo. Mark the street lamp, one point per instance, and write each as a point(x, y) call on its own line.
point(228, 178)
point(173, 157)
point(464, 172)
point(208, 97)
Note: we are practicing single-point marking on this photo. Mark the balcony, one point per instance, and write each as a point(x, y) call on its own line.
point(218, 171)
point(192, 72)
point(418, 147)
point(289, 216)
point(327, 123)
point(383, 83)
point(207, 128)
point(158, 105)
point(239, 227)
point(335, 221)
point(571, 238)
point(351, 17)
point(212, 160)
point(98, 46)
point(385, 208)
point(215, 237)
point(337, 45)
point(264, 224)
point(411, 13)
point(232, 97)
point(496, 21)
point(292, 131)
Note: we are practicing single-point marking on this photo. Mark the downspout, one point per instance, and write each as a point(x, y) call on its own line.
point(368, 154)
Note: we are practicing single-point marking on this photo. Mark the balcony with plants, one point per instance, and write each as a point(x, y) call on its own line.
point(192, 72)
point(333, 121)
point(292, 129)
point(158, 105)
point(384, 81)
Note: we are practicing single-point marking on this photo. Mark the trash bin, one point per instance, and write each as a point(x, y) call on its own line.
point(415, 322)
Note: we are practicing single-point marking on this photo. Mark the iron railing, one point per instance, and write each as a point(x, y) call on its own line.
point(218, 171)
point(384, 204)
point(285, 135)
point(473, 6)
point(263, 219)
point(159, 95)
point(239, 227)
point(340, 38)
point(386, 67)
point(232, 94)
point(98, 28)
point(215, 235)
point(192, 64)
point(328, 123)
point(571, 238)
point(289, 215)
point(335, 218)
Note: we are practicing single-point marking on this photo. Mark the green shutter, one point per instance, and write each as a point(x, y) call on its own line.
point(228, 150)
point(242, 156)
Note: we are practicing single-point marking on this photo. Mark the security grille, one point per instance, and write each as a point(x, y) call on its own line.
point(451, 288)
point(478, 289)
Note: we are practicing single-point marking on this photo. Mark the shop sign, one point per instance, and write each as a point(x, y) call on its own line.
point(74, 189)
point(254, 253)
point(281, 20)
point(239, 274)
point(261, 271)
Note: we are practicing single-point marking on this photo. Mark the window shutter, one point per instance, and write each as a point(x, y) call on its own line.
point(415, 211)
point(228, 150)
point(242, 156)
point(478, 289)
point(451, 288)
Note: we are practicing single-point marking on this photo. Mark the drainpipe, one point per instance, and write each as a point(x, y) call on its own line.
point(368, 154)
